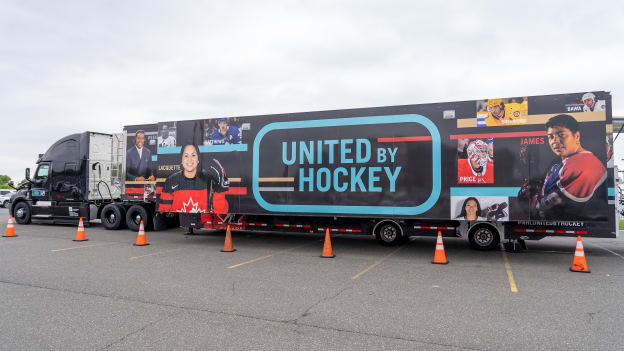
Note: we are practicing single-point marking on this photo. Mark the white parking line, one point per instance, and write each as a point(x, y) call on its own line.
point(81, 247)
point(154, 253)
point(377, 263)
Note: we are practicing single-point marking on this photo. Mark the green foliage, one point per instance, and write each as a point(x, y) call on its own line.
point(4, 179)
point(5, 186)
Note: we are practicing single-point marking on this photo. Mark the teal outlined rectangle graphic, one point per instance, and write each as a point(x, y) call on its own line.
point(348, 209)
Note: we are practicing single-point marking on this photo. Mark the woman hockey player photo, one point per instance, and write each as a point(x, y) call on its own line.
point(195, 189)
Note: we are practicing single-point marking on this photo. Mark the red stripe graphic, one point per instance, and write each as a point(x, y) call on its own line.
point(240, 190)
point(135, 190)
point(499, 135)
point(398, 139)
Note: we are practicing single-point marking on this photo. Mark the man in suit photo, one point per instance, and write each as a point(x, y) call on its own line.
point(138, 160)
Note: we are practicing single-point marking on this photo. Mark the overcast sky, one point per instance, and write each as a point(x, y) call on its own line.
point(71, 66)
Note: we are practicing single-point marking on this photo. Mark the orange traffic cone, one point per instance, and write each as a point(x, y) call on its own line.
point(439, 257)
point(141, 241)
point(227, 246)
point(80, 233)
point(579, 264)
point(10, 229)
point(327, 248)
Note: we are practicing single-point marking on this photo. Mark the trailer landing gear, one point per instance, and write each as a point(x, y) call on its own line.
point(515, 245)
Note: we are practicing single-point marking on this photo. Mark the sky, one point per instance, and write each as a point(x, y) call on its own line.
point(73, 66)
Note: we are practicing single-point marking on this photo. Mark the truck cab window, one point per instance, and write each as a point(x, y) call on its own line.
point(42, 172)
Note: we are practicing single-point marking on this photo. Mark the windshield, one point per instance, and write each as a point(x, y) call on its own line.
point(42, 172)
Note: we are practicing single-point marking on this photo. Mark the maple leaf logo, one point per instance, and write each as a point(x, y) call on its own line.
point(191, 207)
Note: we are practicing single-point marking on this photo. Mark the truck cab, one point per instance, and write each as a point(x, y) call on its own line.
point(72, 175)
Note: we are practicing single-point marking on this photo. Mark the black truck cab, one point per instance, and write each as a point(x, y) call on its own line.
point(58, 190)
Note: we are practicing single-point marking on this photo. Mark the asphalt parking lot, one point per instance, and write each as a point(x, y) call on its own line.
point(275, 292)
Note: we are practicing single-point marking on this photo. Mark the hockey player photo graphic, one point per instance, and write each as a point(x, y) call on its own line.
point(591, 104)
point(470, 210)
point(502, 112)
point(195, 189)
point(476, 166)
point(225, 133)
point(572, 187)
point(483, 208)
point(167, 136)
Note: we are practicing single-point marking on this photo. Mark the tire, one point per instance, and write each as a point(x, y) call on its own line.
point(5, 204)
point(113, 217)
point(389, 233)
point(483, 237)
point(135, 214)
point(159, 222)
point(22, 213)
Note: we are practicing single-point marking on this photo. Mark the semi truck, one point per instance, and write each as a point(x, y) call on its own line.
point(514, 169)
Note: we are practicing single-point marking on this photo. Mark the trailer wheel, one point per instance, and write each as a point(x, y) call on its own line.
point(483, 237)
point(136, 214)
point(113, 216)
point(22, 213)
point(389, 233)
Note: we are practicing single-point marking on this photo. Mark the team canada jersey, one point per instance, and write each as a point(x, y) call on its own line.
point(193, 195)
point(181, 194)
point(570, 185)
point(465, 173)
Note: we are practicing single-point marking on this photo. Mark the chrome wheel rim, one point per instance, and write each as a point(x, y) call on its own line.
point(388, 233)
point(484, 237)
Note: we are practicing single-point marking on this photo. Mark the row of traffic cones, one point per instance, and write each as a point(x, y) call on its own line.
point(140, 241)
point(80, 233)
point(579, 264)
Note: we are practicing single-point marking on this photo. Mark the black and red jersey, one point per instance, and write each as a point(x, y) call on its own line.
point(181, 194)
point(205, 193)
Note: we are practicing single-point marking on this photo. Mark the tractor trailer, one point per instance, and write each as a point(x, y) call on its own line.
point(518, 168)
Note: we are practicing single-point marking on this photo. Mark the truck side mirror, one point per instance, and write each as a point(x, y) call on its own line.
point(10, 183)
point(27, 176)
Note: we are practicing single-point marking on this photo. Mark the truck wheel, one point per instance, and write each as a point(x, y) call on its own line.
point(136, 214)
point(483, 237)
point(22, 213)
point(389, 233)
point(113, 216)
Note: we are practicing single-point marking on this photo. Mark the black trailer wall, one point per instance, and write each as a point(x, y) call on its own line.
point(415, 161)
